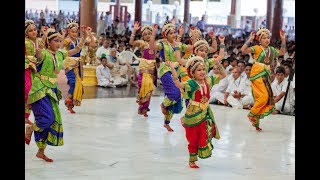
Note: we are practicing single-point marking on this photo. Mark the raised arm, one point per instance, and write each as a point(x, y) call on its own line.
point(283, 43)
point(214, 45)
point(152, 42)
point(136, 27)
point(180, 35)
point(245, 49)
point(175, 75)
point(222, 48)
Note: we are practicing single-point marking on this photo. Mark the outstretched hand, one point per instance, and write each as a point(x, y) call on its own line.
point(155, 27)
point(136, 26)
point(181, 30)
point(221, 39)
point(282, 34)
point(252, 35)
point(211, 34)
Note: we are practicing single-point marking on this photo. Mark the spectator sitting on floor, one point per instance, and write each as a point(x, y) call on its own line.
point(103, 74)
point(120, 72)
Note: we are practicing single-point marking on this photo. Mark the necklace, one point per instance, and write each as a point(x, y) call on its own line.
point(74, 44)
point(266, 57)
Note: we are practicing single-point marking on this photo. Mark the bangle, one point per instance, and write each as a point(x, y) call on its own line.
point(283, 46)
point(222, 46)
point(132, 35)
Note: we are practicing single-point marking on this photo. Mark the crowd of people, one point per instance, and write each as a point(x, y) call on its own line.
point(194, 67)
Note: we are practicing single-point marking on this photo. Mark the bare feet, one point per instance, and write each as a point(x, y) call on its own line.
point(168, 127)
point(28, 134)
point(258, 129)
point(193, 165)
point(71, 110)
point(44, 157)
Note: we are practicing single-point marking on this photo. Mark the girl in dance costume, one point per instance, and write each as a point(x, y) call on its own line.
point(147, 78)
point(73, 64)
point(32, 45)
point(172, 101)
point(44, 97)
point(198, 120)
point(263, 55)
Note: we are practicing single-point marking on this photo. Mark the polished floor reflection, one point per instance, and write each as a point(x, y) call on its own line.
point(106, 139)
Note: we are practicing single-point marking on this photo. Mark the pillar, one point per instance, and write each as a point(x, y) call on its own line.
point(269, 14)
point(138, 11)
point(277, 19)
point(88, 13)
point(186, 16)
point(238, 14)
point(232, 16)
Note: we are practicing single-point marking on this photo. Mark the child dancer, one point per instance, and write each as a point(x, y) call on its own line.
point(198, 120)
point(32, 44)
point(263, 55)
point(147, 78)
point(44, 97)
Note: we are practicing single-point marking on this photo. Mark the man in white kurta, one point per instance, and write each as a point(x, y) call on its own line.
point(104, 49)
point(235, 89)
point(104, 77)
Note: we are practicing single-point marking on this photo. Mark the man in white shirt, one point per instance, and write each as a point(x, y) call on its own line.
point(104, 49)
point(279, 89)
point(235, 90)
point(104, 77)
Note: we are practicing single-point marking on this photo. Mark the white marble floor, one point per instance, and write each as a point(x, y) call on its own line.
point(106, 139)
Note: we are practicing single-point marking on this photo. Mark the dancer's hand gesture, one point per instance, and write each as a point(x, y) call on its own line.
point(221, 39)
point(136, 26)
point(155, 27)
point(252, 35)
point(212, 35)
point(181, 31)
point(282, 35)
